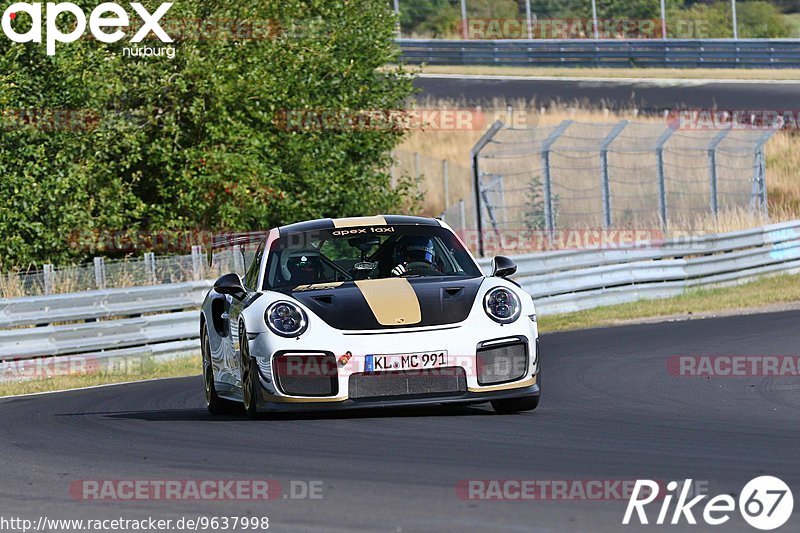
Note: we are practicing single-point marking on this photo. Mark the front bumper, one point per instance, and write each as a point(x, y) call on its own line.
point(271, 402)
point(461, 342)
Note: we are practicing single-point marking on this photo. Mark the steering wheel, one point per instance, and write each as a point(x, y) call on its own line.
point(425, 268)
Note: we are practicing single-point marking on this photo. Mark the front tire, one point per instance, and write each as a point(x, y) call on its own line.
point(215, 404)
point(515, 405)
point(250, 384)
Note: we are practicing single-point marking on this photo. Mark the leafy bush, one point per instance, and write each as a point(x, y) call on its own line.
point(442, 18)
point(708, 21)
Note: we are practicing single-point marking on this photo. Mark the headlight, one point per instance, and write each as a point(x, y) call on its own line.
point(286, 319)
point(502, 305)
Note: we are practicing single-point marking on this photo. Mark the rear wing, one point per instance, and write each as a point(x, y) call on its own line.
point(240, 240)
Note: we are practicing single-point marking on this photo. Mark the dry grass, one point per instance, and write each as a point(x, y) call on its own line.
point(148, 369)
point(784, 289)
point(640, 73)
point(783, 174)
point(782, 151)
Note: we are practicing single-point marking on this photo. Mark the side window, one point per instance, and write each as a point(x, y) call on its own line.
point(251, 279)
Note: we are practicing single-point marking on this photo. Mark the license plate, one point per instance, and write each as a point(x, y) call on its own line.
point(409, 361)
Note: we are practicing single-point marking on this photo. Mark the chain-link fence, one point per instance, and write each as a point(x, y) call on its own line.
point(445, 186)
point(147, 269)
point(622, 175)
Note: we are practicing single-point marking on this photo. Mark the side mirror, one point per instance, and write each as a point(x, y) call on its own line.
point(230, 284)
point(502, 267)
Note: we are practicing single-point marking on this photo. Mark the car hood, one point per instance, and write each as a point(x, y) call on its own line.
point(391, 303)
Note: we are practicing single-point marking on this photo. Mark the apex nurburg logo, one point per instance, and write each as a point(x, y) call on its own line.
point(106, 15)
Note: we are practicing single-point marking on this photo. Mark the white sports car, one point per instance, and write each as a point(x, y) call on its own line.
point(368, 312)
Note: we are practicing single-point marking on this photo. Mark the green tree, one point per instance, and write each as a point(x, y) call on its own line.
point(442, 18)
point(197, 141)
point(756, 20)
point(418, 16)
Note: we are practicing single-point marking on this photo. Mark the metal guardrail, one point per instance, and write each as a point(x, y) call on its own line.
point(683, 53)
point(101, 304)
point(162, 320)
point(567, 281)
point(98, 326)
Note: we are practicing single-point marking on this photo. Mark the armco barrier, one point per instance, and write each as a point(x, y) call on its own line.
point(682, 53)
point(568, 281)
point(163, 321)
point(101, 304)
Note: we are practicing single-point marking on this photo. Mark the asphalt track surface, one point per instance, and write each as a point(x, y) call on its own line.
point(610, 410)
point(653, 96)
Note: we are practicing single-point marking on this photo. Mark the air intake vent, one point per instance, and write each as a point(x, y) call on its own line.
point(306, 374)
point(500, 364)
point(407, 383)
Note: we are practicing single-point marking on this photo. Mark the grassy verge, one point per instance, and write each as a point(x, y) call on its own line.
point(146, 369)
point(758, 294)
point(665, 73)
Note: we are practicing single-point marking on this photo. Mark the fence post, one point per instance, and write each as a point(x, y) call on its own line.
point(497, 182)
point(397, 14)
point(759, 194)
point(549, 215)
point(48, 279)
point(475, 155)
point(712, 170)
point(100, 273)
point(606, 188)
point(417, 171)
point(763, 175)
point(197, 262)
point(462, 214)
point(150, 267)
point(662, 182)
point(446, 183)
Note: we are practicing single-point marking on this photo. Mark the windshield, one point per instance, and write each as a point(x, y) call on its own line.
point(375, 252)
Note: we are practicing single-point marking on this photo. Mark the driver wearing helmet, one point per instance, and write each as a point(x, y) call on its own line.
point(302, 267)
point(416, 254)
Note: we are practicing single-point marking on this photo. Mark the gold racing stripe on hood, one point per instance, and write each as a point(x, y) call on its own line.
point(392, 301)
point(359, 221)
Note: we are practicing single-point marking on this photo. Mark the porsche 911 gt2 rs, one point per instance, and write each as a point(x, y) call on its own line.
point(368, 312)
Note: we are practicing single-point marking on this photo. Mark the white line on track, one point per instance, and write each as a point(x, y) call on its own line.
point(660, 82)
point(91, 387)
